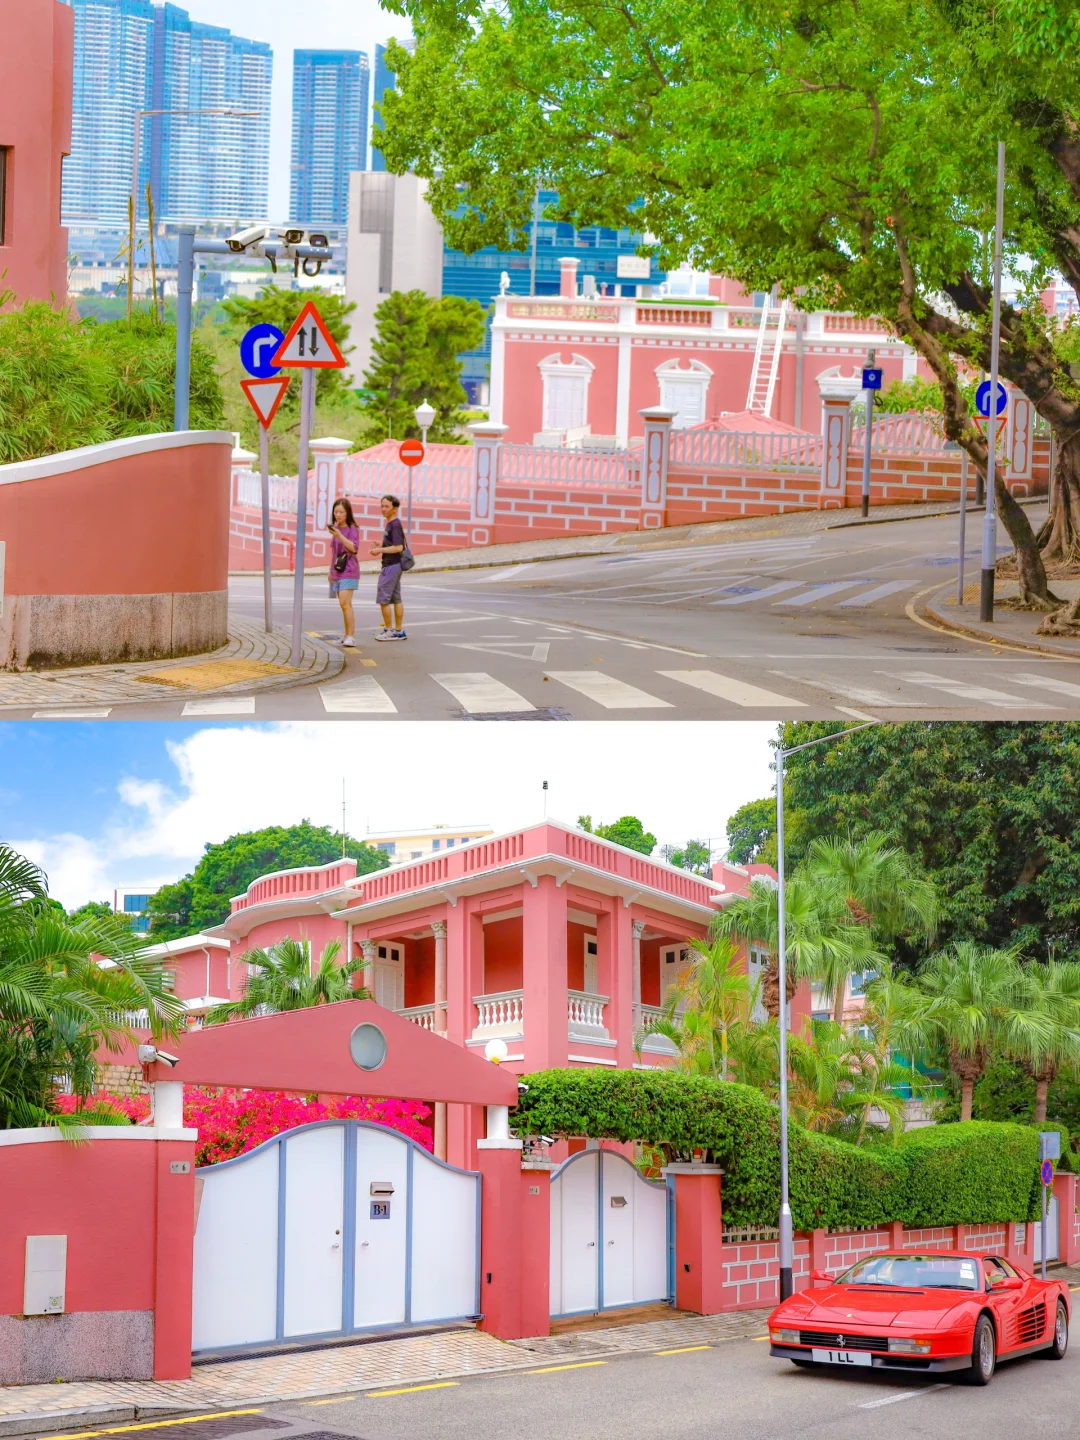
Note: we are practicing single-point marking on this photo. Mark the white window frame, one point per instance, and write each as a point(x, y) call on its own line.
point(671, 374)
point(553, 368)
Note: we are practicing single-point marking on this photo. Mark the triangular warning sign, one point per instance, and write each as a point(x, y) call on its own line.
point(264, 397)
point(309, 344)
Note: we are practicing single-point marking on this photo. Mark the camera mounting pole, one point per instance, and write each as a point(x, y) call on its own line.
point(188, 247)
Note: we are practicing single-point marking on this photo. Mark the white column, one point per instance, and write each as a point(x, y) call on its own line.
point(368, 972)
point(654, 465)
point(486, 438)
point(836, 433)
point(637, 929)
point(627, 321)
point(497, 383)
point(1018, 434)
point(168, 1104)
point(328, 464)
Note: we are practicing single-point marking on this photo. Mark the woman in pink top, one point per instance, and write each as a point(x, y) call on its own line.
point(344, 566)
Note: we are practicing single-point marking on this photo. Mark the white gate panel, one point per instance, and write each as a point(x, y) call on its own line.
point(618, 1183)
point(575, 1274)
point(651, 1244)
point(1051, 1231)
point(379, 1295)
point(444, 1267)
point(314, 1215)
point(234, 1290)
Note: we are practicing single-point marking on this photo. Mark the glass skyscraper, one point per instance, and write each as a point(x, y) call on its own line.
point(384, 81)
point(329, 133)
point(132, 55)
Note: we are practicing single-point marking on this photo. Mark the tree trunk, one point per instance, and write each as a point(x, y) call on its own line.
point(838, 1002)
point(1035, 593)
point(1059, 537)
point(967, 1090)
point(1041, 1089)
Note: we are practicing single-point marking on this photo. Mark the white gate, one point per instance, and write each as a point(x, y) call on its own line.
point(329, 1229)
point(611, 1238)
point(1051, 1231)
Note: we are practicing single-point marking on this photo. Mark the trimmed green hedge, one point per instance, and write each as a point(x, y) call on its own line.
point(968, 1174)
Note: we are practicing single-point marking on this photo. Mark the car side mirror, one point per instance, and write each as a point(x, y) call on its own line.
point(1010, 1282)
point(821, 1276)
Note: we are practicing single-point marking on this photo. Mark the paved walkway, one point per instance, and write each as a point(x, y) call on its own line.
point(251, 662)
point(1009, 627)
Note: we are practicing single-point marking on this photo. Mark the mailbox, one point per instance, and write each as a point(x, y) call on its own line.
point(381, 1187)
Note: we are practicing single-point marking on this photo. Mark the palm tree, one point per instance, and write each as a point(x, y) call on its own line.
point(879, 886)
point(702, 1010)
point(282, 978)
point(1052, 989)
point(67, 991)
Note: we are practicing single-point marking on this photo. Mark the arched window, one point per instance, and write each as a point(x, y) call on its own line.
point(566, 391)
point(684, 391)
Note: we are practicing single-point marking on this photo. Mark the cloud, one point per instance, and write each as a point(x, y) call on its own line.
point(683, 780)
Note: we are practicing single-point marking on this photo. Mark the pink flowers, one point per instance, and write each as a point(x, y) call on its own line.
point(231, 1122)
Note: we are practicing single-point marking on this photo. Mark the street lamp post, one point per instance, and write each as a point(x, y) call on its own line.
point(989, 538)
point(425, 418)
point(787, 1232)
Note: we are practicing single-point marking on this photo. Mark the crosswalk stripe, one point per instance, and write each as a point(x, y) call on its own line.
point(879, 594)
point(221, 705)
point(102, 714)
point(482, 694)
point(819, 592)
point(1046, 682)
point(359, 695)
point(777, 589)
point(859, 693)
point(965, 691)
point(725, 688)
point(605, 690)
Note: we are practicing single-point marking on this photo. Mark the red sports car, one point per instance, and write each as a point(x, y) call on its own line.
point(940, 1310)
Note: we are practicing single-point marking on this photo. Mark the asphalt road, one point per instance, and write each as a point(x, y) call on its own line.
point(732, 1388)
point(813, 625)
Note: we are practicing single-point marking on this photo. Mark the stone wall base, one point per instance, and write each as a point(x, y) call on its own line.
point(101, 1345)
point(38, 631)
point(124, 1080)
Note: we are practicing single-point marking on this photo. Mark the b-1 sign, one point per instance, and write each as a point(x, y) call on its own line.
point(309, 344)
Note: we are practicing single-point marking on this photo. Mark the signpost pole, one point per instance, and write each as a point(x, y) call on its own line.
point(787, 1237)
point(963, 525)
point(307, 384)
point(869, 439)
point(1044, 1230)
point(185, 282)
point(989, 539)
point(264, 473)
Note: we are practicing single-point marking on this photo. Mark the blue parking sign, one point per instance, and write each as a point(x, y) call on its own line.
point(871, 377)
point(258, 347)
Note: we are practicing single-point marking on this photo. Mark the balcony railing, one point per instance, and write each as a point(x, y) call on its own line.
point(502, 1015)
point(422, 1015)
point(585, 1015)
point(654, 1044)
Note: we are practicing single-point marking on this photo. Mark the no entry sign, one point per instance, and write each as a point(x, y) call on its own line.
point(411, 452)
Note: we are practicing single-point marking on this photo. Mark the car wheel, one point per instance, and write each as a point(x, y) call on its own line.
point(804, 1364)
point(1056, 1351)
point(983, 1353)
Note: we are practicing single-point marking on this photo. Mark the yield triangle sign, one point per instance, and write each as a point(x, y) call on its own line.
point(264, 397)
point(308, 345)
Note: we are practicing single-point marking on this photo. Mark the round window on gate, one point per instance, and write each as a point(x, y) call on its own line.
point(367, 1046)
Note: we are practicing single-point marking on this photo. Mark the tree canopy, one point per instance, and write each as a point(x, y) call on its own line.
point(414, 357)
point(228, 868)
point(628, 831)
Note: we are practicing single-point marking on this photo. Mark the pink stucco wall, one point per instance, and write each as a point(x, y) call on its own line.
point(37, 39)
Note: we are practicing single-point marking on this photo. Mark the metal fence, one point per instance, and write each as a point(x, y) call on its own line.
point(541, 465)
point(746, 450)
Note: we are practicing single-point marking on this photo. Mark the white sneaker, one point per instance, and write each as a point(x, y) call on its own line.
point(382, 632)
point(349, 642)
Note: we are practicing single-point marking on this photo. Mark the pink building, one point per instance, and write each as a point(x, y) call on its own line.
point(568, 367)
point(557, 944)
point(36, 63)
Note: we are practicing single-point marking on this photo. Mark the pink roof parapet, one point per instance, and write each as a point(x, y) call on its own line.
point(747, 422)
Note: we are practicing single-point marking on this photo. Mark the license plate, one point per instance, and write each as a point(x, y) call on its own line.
point(842, 1357)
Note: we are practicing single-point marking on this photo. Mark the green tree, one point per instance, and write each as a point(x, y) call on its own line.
point(228, 868)
point(59, 1006)
point(414, 357)
point(990, 812)
point(695, 856)
point(282, 977)
point(711, 1001)
point(627, 831)
point(751, 833)
point(1052, 990)
point(92, 910)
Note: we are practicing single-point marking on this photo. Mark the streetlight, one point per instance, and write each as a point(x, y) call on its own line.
point(787, 1234)
point(424, 415)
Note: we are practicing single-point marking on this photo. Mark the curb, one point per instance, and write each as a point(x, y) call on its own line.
point(954, 627)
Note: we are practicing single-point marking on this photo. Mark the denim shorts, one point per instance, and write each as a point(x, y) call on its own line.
point(389, 591)
point(336, 585)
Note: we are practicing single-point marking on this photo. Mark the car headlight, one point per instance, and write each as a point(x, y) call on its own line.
point(909, 1347)
point(784, 1337)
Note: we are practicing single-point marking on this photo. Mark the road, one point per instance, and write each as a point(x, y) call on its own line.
point(815, 625)
point(731, 1388)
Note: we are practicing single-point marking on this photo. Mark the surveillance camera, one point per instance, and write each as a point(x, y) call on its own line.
point(522, 1089)
point(147, 1054)
point(320, 241)
point(291, 236)
point(244, 239)
point(547, 1139)
point(166, 1059)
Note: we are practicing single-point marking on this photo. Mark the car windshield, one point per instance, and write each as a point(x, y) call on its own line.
point(922, 1272)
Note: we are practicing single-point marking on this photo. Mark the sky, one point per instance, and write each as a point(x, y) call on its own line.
point(102, 806)
point(289, 26)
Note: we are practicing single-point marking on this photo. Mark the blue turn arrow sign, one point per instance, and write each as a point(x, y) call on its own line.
point(982, 399)
point(258, 348)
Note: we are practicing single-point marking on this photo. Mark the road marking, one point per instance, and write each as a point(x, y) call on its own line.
point(1045, 682)
point(819, 592)
point(577, 1365)
point(501, 574)
point(759, 1337)
point(359, 695)
point(338, 1400)
point(411, 1389)
point(102, 714)
point(605, 690)
point(858, 601)
point(224, 705)
point(855, 714)
point(154, 1424)
point(515, 649)
point(725, 688)
point(777, 589)
point(965, 691)
point(686, 1350)
point(481, 694)
point(859, 693)
point(902, 1395)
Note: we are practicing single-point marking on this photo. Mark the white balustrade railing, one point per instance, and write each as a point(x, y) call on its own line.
point(422, 1015)
point(585, 1011)
point(430, 480)
point(504, 1011)
point(898, 434)
point(746, 450)
point(551, 465)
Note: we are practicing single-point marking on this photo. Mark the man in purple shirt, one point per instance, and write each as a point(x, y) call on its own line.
point(389, 591)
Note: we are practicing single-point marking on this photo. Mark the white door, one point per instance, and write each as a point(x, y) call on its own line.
point(592, 951)
point(1051, 1232)
point(314, 1220)
point(234, 1292)
point(574, 1262)
point(676, 961)
point(382, 1205)
point(390, 976)
point(687, 399)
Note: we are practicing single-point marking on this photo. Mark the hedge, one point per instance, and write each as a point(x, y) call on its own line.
point(973, 1173)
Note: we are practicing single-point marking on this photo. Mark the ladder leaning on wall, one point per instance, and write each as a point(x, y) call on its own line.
point(759, 397)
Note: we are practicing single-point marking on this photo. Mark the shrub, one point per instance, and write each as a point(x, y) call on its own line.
point(973, 1173)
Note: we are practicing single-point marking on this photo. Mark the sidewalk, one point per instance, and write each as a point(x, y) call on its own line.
point(250, 663)
point(1016, 628)
point(341, 1369)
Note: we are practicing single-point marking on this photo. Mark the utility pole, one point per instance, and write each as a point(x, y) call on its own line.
point(989, 540)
